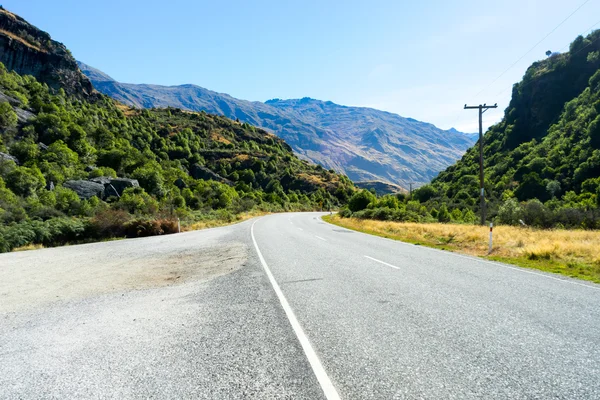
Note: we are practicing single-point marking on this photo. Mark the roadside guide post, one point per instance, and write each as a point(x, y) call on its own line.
point(178, 225)
point(491, 239)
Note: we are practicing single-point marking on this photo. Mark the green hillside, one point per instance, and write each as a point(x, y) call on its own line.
point(541, 162)
point(188, 165)
point(546, 149)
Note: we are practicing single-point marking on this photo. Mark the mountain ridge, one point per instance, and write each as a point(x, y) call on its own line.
point(323, 132)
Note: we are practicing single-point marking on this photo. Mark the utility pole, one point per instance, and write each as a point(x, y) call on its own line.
point(411, 183)
point(482, 108)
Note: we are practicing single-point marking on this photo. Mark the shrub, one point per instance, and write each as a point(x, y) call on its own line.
point(109, 223)
point(360, 200)
point(510, 212)
point(443, 214)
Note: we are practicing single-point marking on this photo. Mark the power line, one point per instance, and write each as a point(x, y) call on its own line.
point(531, 49)
point(577, 52)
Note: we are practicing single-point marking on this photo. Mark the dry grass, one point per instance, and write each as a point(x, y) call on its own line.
point(214, 223)
point(219, 138)
point(314, 179)
point(21, 40)
point(575, 253)
point(127, 111)
point(29, 247)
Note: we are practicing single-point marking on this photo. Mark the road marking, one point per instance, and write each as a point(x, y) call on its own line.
point(319, 237)
point(328, 388)
point(300, 229)
point(476, 259)
point(382, 262)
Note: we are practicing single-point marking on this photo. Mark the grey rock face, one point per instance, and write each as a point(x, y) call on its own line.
point(115, 186)
point(8, 157)
point(201, 172)
point(85, 189)
point(30, 51)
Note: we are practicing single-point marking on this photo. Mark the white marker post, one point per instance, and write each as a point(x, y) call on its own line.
point(178, 226)
point(491, 239)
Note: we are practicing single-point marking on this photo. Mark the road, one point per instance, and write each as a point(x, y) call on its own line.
point(288, 306)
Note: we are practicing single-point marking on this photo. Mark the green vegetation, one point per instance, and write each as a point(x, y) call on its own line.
point(542, 161)
point(188, 165)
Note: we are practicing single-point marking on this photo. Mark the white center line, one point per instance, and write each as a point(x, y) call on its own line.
point(382, 262)
point(328, 388)
point(319, 237)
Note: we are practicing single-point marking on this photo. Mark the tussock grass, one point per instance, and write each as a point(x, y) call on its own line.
point(29, 247)
point(216, 222)
point(574, 253)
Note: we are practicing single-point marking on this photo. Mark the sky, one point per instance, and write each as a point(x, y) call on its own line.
point(420, 59)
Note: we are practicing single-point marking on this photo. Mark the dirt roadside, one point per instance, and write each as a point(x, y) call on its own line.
point(37, 278)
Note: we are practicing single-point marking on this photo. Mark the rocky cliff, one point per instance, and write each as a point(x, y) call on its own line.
point(29, 51)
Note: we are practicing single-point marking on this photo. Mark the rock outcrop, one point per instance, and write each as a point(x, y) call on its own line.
point(103, 187)
point(115, 186)
point(8, 157)
point(85, 189)
point(29, 51)
point(201, 172)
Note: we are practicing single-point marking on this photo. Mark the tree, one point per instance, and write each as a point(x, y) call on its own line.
point(443, 214)
point(553, 188)
point(360, 200)
point(25, 181)
point(8, 117)
point(548, 53)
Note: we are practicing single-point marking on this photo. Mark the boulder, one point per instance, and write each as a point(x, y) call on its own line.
point(8, 157)
point(201, 172)
point(115, 186)
point(104, 180)
point(120, 184)
point(85, 189)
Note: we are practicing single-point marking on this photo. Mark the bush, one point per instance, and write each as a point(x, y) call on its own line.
point(510, 212)
point(536, 214)
point(360, 200)
point(443, 214)
point(109, 223)
point(8, 117)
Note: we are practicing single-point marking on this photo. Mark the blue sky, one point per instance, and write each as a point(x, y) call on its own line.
point(420, 59)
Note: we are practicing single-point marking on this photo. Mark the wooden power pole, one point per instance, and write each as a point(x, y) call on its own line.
point(482, 108)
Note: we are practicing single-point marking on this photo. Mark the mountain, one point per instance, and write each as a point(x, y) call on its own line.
point(77, 165)
point(30, 51)
point(363, 143)
point(545, 153)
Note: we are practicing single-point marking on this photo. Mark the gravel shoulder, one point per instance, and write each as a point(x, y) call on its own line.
point(37, 278)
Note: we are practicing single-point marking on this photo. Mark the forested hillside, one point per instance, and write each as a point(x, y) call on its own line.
point(546, 148)
point(542, 161)
point(372, 147)
point(74, 169)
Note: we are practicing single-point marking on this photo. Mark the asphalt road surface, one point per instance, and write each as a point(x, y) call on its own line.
point(288, 306)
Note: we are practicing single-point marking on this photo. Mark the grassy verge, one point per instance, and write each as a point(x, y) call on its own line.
point(574, 253)
point(216, 222)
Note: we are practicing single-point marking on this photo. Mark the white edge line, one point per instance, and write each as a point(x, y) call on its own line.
point(382, 262)
point(319, 237)
point(567, 279)
point(328, 388)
